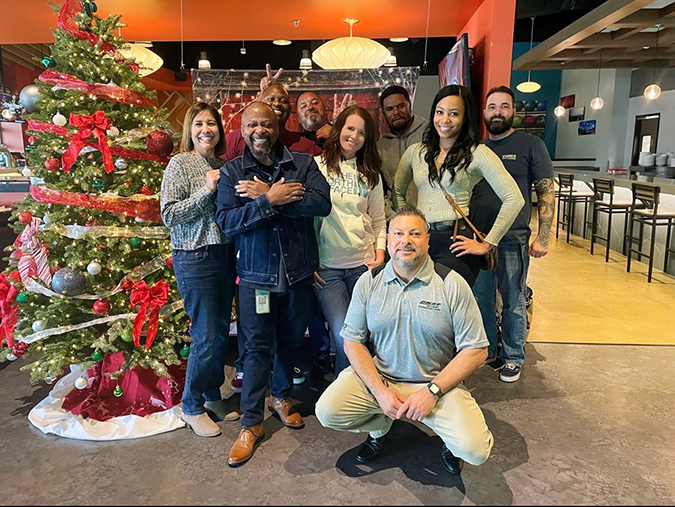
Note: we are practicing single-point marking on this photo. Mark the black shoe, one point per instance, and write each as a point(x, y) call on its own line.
point(495, 363)
point(450, 462)
point(323, 363)
point(372, 449)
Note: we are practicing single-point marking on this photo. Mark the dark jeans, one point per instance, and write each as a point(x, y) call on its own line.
point(284, 327)
point(439, 250)
point(205, 279)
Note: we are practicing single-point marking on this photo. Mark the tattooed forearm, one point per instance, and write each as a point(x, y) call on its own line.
point(545, 207)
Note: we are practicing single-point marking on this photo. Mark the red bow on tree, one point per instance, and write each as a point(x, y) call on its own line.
point(154, 298)
point(95, 124)
point(8, 307)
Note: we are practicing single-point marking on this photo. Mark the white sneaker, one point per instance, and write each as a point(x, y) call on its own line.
point(201, 424)
point(237, 382)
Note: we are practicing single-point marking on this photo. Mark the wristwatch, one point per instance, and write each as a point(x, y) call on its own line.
point(434, 389)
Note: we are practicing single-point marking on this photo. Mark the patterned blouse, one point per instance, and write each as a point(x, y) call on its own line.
point(188, 207)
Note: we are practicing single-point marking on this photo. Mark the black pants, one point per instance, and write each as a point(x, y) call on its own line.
point(439, 250)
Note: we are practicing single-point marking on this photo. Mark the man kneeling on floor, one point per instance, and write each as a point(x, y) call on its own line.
point(427, 335)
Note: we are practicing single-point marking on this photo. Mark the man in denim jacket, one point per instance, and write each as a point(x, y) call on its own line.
point(266, 202)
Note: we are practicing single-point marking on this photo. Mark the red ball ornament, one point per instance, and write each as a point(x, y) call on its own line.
point(52, 164)
point(25, 217)
point(126, 284)
point(31, 140)
point(101, 307)
point(159, 143)
point(145, 190)
point(91, 223)
point(19, 349)
point(169, 261)
point(127, 182)
point(16, 254)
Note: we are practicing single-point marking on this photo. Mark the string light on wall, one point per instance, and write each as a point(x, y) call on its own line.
point(529, 86)
point(653, 90)
point(597, 102)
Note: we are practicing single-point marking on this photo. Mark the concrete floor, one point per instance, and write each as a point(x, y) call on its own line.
point(586, 424)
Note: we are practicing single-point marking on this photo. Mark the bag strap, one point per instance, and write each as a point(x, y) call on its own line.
point(479, 235)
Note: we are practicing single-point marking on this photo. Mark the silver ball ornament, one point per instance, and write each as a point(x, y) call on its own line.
point(112, 132)
point(49, 380)
point(59, 120)
point(11, 357)
point(139, 220)
point(120, 163)
point(26, 172)
point(46, 218)
point(94, 268)
point(69, 282)
point(81, 382)
point(29, 97)
point(39, 325)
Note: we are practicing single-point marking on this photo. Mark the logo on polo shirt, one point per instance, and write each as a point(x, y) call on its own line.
point(429, 305)
point(509, 156)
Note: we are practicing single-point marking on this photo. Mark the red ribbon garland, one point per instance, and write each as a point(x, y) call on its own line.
point(118, 151)
point(153, 298)
point(106, 91)
point(95, 124)
point(139, 206)
point(8, 307)
point(66, 22)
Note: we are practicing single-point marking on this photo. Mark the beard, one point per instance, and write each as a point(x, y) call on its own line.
point(312, 121)
point(497, 128)
point(262, 153)
point(407, 264)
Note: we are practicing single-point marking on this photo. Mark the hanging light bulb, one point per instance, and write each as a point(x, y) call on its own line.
point(597, 102)
point(391, 61)
point(559, 111)
point(305, 61)
point(529, 86)
point(203, 61)
point(653, 90)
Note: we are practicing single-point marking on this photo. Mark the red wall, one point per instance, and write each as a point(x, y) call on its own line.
point(16, 76)
point(490, 32)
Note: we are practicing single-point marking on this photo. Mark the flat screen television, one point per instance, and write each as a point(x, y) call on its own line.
point(454, 68)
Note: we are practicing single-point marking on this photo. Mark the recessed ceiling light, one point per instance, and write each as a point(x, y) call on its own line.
point(398, 39)
point(281, 42)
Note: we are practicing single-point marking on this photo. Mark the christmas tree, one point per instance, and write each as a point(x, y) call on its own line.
point(90, 280)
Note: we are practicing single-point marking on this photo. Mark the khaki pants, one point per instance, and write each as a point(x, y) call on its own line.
point(348, 406)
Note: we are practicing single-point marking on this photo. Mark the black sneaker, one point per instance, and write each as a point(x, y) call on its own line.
point(496, 363)
point(322, 363)
point(509, 373)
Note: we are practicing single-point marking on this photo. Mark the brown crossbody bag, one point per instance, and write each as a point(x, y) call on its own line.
point(489, 260)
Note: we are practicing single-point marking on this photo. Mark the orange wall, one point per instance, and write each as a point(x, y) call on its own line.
point(490, 32)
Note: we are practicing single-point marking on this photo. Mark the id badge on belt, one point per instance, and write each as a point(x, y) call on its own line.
point(262, 301)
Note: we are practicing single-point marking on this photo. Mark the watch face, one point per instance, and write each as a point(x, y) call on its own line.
point(434, 389)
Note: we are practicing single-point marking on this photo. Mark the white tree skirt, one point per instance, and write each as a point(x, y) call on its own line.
point(49, 417)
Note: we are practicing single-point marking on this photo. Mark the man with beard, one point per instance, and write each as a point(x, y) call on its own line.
point(434, 341)
point(314, 118)
point(266, 202)
point(405, 129)
point(276, 96)
point(526, 158)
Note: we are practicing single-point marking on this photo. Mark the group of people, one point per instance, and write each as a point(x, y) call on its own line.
point(336, 224)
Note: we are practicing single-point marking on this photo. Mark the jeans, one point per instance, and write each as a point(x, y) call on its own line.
point(282, 331)
point(334, 299)
point(510, 276)
point(205, 279)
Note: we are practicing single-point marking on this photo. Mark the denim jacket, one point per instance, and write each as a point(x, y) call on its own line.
point(262, 232)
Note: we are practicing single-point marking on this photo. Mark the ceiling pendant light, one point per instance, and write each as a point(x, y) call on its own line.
point(350, 52)
point(147, 61)
point(391, 61)
point(203, 61)
point(305, 61)
point(597, 102)
point(242, 49)
point(653, 90)
point(529, 86)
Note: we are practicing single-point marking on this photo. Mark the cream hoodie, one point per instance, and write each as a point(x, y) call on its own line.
point(356, 226)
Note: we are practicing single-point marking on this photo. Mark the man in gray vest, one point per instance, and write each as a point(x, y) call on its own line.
point(405, 129)
point(425, 328)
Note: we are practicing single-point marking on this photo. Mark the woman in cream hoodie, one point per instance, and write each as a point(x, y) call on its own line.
point(352, 239)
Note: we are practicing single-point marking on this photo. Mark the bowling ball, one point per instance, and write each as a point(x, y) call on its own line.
point(530, 105)
point(519, 104)
point(540, 135)
point(541, 105)
point(517, 121)
point(540, 121)
point(528, 121)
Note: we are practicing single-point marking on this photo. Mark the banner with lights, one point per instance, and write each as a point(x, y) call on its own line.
point(231, 90)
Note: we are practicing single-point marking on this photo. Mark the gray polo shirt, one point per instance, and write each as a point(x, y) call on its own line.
point(415, 327)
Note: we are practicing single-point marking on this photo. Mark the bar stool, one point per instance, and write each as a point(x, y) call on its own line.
point(648, 195)
point(569, 197)
point(604, 202)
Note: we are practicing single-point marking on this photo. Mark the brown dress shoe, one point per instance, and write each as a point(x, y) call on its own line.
point(286, 412)
point(244, 446)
